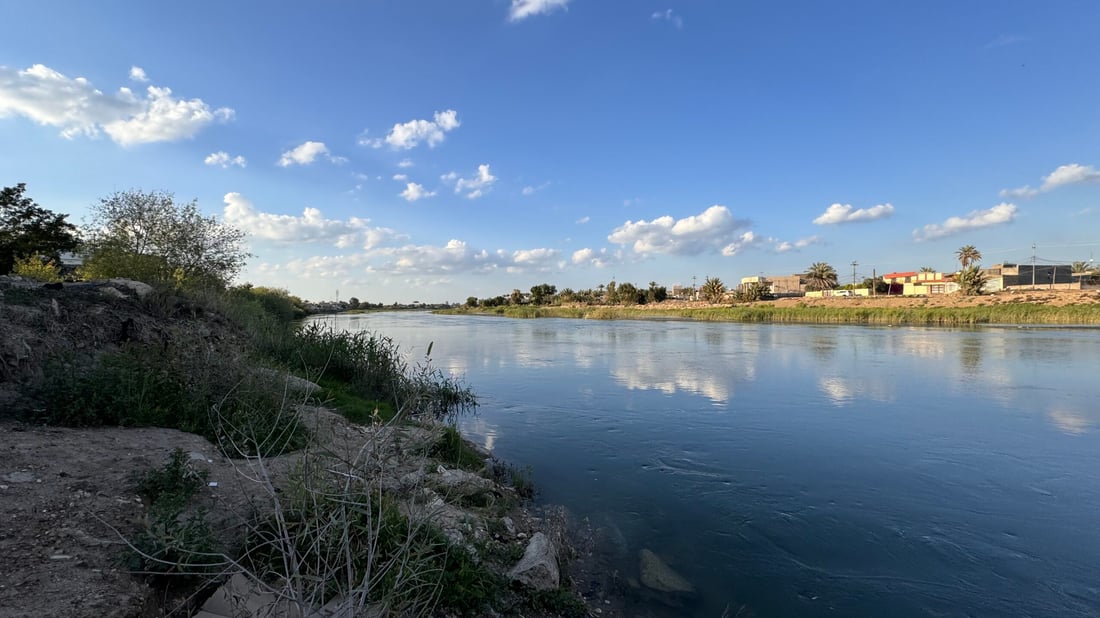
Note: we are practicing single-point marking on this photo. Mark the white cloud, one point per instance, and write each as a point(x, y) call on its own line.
point(407, 135)
point(223, 159)
point(1025, 192)
point(1001, 213)
point(709, 231)
point(669, 16)
point(138, 74)
point(844, 213)
point(531, 189)
point(1070, 174)
point(454, 257)
point(76, 107)
point(1004, 40)
point(401, 177)
point(473, 187)
point(306, 153)
point(599, 259)
point(311, 226)
point(744, 241)
point(415, 192)
point(404, 163)
point(583, 220)
point(802, 243)
point(522, 9)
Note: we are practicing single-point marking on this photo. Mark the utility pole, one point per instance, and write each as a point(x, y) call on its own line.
point(1033, 266)
point(854, 264)
point(693, 287)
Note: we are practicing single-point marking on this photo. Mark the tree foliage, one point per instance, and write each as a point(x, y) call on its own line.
point(543, 293)
point(752, 292)
point(821, 276)
point(967, 255)
point(38, 268)
point(148, 236)
point(27, 229)
point(713, 290)
point(971, 281)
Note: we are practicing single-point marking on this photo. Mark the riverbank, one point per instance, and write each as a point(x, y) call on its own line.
point(1034, 307)
point(320, 468)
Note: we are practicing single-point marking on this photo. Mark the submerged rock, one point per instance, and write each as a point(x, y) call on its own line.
point(656, 575)
point(539, 566)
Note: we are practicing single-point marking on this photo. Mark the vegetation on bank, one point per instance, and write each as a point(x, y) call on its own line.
point(1001, 313)
point(203, 357)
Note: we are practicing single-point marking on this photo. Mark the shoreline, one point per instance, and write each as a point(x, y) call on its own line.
point(1032, 308)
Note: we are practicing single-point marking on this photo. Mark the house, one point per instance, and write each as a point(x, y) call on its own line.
point(779, 285)
point(1030, 276)
point(915, 283)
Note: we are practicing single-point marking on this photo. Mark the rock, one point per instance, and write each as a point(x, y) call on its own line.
point(657, 575)
point(461, 482)
point(21, 476)
point(112, 292)
point(141, 290)
point(291, 382)
point(539, 566)
point(509, 525)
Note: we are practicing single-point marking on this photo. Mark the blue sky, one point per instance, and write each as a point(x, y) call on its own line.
point(400, 151)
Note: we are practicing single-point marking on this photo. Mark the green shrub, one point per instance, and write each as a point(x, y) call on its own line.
point(453, 450)
point(38, 268)
point(182, 388)
point(174, 543)
point(171, 487)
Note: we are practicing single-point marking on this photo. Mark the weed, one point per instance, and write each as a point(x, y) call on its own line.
point(558, 602)
point(172, 543)
point(451, 449)
point(169, 488)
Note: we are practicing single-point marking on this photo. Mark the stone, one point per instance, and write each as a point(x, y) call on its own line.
point(656, 575)
point(112, 292)
point(539, 566)
point(137, 287)
point(21, 476)
point(461, 482)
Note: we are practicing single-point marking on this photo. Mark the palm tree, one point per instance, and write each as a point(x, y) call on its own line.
point(971, 281)
point(927, 269)
point(968, 255)
point(713, 290)
point(821, 276)
point(1080, 269)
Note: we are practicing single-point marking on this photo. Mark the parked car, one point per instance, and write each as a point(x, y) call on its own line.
point(843, 293)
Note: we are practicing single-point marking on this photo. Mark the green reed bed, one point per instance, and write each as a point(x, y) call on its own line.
point(1005, 313)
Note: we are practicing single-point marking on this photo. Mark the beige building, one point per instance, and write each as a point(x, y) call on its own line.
point(915, 283)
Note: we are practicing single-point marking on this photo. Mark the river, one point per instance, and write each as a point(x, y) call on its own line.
point(803, 470)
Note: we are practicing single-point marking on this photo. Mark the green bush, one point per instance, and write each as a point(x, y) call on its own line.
point(173, 543)
point(182, 388)
point(451, 449)
point(38, 268)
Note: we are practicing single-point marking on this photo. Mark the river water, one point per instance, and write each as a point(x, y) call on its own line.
point(803, 470)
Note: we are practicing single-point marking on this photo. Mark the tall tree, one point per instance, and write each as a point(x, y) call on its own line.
point(149, 236)
point(821, 276)
point(543, 293)
point(968, 255)
point(927, 269)
point(713, 290)
point(27, 229)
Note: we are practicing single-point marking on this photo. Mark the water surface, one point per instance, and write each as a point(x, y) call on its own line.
point(804, 470)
